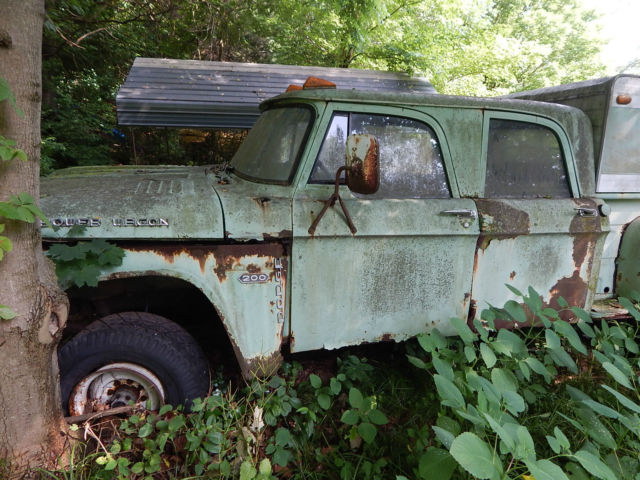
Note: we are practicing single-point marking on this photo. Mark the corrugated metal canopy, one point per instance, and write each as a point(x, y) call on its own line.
point(192, 93)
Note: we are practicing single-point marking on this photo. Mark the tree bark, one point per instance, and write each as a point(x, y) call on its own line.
point(32, 429)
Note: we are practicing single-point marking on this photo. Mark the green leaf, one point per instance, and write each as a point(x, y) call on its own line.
point(487, 355)
point(283, 437)
point(514, 402)
point(146, 430)
point(350, 417)
point(265, 467)
point(562, 439)
point(552, 340)
point(474, 455)
point(586, 329)
point(515, 310)
point(137, 468)
point(436, 464)
point(508, 343)
point(463, 330)
point(416, 362)
point(377, 417)
point(66, 253)
point(315, 381)
point(87, 275)
point(566, 330)
point(630, 404)
point(617, 374)
point(545, 470)
point(25, 198)
point(595, 428)
point(514, 290)
point(631, 308)
point(448, 392)
point(165, 409)
point(247, 470)
point(355, 398)
point(324, 401)
point(432, 341)
point(470, 353)
point(526, 371)
point(594, 465)
point(111, 464)
point(504, 435)
point(525, 448)
point(367, 431)
point(534, 301)
point(176, 423)
point(35, 210)
point(563, 359)
point(7, 313)
point(554, 444)
point(582, 314)
point(538, 367)
point(6, 94)
point(13, 212)
point(504, 380)
point(445, 436)
point(601, 409)
point(442, 367)
point(335, 386)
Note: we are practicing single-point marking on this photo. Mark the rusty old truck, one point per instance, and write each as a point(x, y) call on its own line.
point(348, 217)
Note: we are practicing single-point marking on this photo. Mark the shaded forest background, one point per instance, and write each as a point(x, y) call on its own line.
point(470, 47)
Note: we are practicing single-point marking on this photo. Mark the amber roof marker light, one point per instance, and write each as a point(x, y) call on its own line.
point(623, 99)
point(315, 82)
point(311, 83)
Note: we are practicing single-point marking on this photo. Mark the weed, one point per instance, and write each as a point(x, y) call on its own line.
point(557, 401)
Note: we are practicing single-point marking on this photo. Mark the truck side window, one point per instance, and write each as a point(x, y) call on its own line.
point(524, 160)
point(411, 164)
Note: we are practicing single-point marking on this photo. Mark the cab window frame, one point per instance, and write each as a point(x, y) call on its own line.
point(429, 122)
point(567, 154)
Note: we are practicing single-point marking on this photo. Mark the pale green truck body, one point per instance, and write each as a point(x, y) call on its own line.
point(474, 194)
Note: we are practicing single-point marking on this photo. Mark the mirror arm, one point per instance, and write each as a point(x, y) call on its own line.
point(331, 202)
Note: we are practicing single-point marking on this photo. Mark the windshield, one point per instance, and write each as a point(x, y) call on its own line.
point(271, 150)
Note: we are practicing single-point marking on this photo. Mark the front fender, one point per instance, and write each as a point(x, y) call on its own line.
point(246, 283)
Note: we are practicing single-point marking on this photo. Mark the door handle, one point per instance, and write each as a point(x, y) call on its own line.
point(460, 212)
point(587, 212)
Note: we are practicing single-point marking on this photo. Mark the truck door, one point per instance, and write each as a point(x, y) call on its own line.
point(409, 266)
point(535, 228)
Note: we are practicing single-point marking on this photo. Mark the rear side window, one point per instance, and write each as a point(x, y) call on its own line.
point(411, 164)
point(524, 160)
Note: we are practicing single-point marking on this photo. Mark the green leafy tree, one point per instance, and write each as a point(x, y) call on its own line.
point(467, 47)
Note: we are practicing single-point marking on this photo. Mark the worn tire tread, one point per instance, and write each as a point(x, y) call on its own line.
point(182, 362)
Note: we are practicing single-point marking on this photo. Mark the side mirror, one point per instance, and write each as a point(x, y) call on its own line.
point(363, 167)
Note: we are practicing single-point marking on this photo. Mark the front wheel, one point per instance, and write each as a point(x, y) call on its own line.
point(131, 357)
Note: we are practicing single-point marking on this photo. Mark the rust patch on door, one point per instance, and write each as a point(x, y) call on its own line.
point(573, 289)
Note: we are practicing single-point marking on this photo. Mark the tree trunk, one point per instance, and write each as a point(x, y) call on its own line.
point(32, 431)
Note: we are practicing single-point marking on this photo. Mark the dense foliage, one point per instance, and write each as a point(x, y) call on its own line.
point(556, 402)
point(476, 47)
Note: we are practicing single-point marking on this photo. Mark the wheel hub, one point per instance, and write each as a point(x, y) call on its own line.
point(116, 385)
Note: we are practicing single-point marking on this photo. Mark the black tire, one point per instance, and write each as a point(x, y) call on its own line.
point(152, 342)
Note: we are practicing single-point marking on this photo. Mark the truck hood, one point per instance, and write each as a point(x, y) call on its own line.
point(131, 202)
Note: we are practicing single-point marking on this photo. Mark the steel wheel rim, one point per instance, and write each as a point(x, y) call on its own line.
point(116, 384)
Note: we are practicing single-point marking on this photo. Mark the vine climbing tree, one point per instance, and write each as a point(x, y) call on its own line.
point(34, 309)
